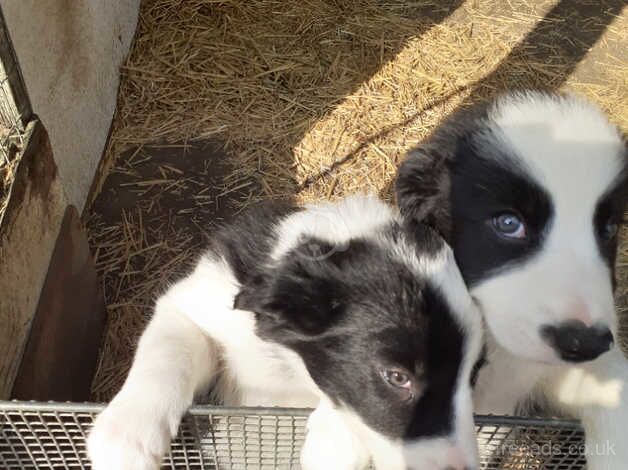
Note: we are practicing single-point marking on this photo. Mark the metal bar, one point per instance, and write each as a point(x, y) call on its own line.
point(204, 410)
point(483, 420)
point(36, 435)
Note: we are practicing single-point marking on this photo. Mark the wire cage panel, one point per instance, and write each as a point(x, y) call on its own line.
point(52, 436)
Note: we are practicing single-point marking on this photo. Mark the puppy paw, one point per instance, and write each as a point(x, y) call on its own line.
point(330, 444)
point(130, 435)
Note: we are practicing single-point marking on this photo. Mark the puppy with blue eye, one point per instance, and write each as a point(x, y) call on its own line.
point(340, 307)
point(529, 190)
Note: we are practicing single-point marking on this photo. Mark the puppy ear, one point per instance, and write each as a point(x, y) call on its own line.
point(252, 297)
point(422, 187)
point(302, 295)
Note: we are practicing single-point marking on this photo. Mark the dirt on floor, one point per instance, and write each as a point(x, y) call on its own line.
point(148, 225)
point(224, 103)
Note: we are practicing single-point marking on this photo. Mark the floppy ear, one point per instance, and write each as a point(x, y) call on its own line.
point(424, 178)
point(422, 187)
point(302, 295)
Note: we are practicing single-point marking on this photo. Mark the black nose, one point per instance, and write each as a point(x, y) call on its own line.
point(576, 342)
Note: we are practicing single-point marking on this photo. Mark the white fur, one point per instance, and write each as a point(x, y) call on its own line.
point(344, 451)
point(571, 149)
point(595, 392)
point(174, 359)
point(196, 335)
point(337, 222)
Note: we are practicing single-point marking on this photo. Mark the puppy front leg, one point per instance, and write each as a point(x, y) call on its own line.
point(174, 359)
point(597, 393)
point(329, 443)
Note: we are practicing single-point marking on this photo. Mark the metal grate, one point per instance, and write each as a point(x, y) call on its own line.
point(52, 436)
point(530, 443)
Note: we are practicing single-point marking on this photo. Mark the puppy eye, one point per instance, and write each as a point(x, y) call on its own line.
point(397, 378)
point(510, 225)
point(609, 230)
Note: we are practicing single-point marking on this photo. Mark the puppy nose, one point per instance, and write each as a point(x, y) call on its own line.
point(576, 342)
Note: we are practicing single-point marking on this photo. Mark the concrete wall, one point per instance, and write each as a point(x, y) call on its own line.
point(70, 52)
point(28, 234)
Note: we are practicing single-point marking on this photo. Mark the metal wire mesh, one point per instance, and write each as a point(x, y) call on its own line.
point(52, 436)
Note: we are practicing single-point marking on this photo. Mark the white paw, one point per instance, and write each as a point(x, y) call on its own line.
point(130, 434)
point(330, 444)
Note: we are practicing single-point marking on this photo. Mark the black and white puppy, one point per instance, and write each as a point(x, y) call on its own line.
point(333, 306)
point(529, 191)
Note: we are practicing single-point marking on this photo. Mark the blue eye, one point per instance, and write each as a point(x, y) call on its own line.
point(610, 230)
point(509, 225)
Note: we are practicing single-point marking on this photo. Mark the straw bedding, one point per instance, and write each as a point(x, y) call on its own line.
point(307, 99)
point(10, 148)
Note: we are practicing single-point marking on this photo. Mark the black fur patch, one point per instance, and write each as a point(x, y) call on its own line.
point(444, 356)
point(247, 241)
point(355, 312)
point(303, 296)
point(479, 364)
point(462, 176)
point(481, 189)
point(610, 208)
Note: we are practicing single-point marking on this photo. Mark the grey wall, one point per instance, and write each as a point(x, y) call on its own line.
point(70, 52)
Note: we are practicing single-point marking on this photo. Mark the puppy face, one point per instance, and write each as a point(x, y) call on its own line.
point(529, 191)
point(387, 332)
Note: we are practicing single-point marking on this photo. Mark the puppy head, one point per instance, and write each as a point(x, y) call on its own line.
point(529, 191)
point(389, 334)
